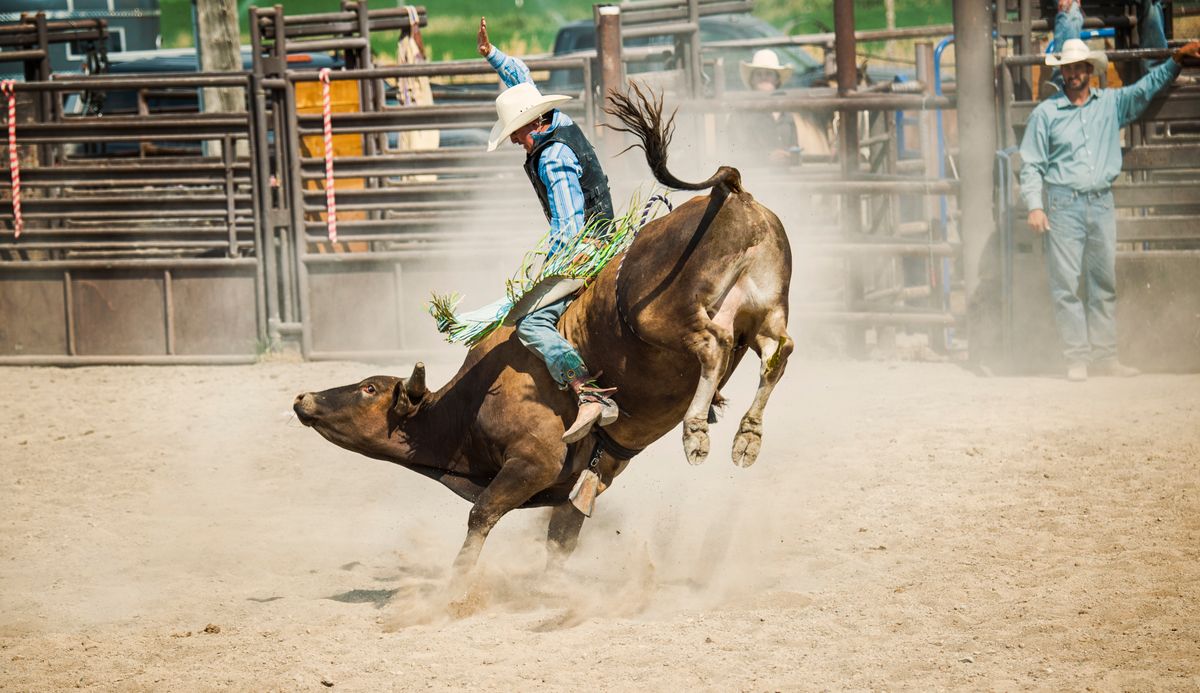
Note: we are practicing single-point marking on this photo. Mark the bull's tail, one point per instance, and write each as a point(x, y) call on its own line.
point(642, 115)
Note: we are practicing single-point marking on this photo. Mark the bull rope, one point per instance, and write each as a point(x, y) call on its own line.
point(656, 197)
point(8, 87)
point(327, 119)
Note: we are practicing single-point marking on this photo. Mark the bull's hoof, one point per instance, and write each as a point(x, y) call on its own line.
point(695, 440)
point(747, 442)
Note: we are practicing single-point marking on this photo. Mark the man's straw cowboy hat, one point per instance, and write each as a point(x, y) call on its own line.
point(765, 59)
point(1076, 51)
point(518, 106)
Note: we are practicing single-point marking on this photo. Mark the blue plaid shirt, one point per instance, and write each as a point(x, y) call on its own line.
point(558, 166)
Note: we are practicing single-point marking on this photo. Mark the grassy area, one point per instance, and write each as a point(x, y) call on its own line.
point(812, 16)
point(529, 26)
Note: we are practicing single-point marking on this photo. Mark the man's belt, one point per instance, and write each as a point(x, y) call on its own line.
point(1087, 194)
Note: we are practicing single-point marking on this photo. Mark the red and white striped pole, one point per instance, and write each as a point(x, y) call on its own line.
point(330, 201)
point(14, 162)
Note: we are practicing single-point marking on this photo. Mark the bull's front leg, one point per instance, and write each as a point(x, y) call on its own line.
point(562, 535)
point(522, 476)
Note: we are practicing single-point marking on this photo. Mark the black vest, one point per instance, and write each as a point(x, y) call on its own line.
point(596, 198)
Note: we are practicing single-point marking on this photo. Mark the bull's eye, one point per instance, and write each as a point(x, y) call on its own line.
point(369, 389)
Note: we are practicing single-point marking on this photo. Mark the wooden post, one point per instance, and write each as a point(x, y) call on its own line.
point(220, 51)
point(612, 65)
point(845, 47)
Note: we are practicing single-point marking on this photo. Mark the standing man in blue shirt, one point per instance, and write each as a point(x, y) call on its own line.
point(1071, 152)
point(573, 190)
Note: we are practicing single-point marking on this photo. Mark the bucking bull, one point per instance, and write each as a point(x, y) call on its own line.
point(667, 323)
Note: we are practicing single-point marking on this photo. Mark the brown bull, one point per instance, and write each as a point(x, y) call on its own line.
point(667, 323)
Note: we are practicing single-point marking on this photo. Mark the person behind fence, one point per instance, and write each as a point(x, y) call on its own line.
point(1071, 153)
point(781, 136)
point(573, 190)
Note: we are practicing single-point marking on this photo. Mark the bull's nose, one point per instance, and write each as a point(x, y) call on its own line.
point(305, 407)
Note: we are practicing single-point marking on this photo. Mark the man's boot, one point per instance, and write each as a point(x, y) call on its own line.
point(595, 405)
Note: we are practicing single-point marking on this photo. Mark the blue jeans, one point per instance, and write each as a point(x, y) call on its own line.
point(1082, 239)
point(538, 331)
point(1151, 32)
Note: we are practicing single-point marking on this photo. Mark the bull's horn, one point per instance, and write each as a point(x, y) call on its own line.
point(415, 385)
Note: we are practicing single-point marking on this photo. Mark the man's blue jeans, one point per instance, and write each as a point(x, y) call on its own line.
point(538, 331)
point(1083, 238)
point(1151, 31)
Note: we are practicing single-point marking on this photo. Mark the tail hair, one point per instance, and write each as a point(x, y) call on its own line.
point(641, 113)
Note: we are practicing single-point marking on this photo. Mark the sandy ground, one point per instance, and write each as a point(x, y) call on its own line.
point(908, 526)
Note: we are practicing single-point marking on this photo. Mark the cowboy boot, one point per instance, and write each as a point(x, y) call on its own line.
point(595, 405)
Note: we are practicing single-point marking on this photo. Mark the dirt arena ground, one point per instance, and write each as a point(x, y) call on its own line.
point(908, 527)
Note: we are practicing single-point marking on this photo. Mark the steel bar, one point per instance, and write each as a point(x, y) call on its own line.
point(930, 186)
point(850, 209)
point(22, 56)
point(168, 312)
point(121, 360)
point(174, 232)
point(50, 178)
point(672, 29)
point(828, 38)
point(1115, 56)
point(1007, 28)
point(121, 245)
point(137, 81)
point(915, 249)
point(974, 64)
point(296, 206)
point(877, 318)
point(612, 67)
point(445, 68)
point(370, 356)
point(422, 253)
point(130, 263)
point(865, 102)
point(69, 304)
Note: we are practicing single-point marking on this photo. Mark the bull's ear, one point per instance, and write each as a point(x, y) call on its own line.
point(415, 385)
point(401, 406)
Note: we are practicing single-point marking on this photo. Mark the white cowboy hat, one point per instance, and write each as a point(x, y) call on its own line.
point(1075, 51)
point(518, 106)
point(765, 59)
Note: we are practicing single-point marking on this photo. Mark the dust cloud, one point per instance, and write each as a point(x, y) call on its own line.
point(1041, 530)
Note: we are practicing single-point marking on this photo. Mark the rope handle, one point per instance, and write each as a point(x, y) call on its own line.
point(327, 118)
point(8, 87)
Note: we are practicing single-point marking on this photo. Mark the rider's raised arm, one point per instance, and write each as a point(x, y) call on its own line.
point(511, 70)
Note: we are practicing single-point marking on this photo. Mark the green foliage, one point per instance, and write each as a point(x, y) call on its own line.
point(529, 27)
point(813, 16)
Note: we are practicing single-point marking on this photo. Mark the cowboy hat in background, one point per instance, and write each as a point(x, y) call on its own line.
point(1076, 51)
point(518, 106)
point(765, 59)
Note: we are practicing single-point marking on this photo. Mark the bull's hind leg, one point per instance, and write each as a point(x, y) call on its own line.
point(712, 344)
point(773, 346)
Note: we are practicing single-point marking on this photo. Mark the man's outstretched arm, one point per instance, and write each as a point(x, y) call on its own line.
point(512, 70)
point(1132, 100)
